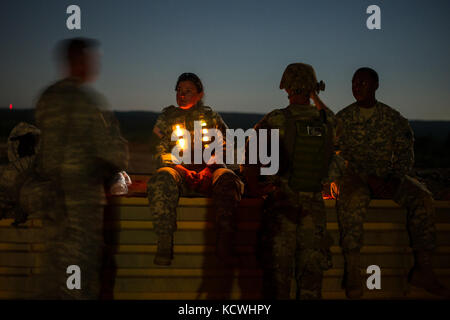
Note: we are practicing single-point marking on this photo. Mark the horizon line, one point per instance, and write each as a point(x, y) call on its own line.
point(238, 112)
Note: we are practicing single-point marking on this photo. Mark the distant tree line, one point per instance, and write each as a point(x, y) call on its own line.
point(432, 138)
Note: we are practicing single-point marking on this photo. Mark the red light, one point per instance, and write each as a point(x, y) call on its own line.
point(10, 107)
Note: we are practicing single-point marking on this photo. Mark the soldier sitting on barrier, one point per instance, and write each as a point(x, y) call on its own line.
point(295, 238)
point(377, 145)
point(173, 180)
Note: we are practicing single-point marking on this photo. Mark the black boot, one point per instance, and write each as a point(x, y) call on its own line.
point(352, 278)
point(164, 253)
point(423, 276)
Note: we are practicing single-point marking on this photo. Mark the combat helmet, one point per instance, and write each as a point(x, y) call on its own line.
point(301, 77)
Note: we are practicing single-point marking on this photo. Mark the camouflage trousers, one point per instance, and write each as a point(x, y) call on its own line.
point(353, 201)
point(166, 186)
point(74, 236)
point(295, 244)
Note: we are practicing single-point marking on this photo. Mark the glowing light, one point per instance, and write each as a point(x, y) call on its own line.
point(179, 132)
point(10, 106)
point(205, 139)
point(205, 131)
point(182, 143)
point(203, 124)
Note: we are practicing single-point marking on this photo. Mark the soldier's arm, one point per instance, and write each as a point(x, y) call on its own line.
point(160, 143)
point(339, 133)
point(318, 102)
point(403, 154)
point(111, 146)
point(337, 163)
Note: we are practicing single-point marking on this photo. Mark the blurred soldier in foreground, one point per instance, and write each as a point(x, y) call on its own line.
point(173, 180)
point(377, 145)
point(294, 231)
point(81, 146)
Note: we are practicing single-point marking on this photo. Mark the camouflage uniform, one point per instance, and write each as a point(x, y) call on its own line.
point(81, 145)
point(23, 144)
point(380, 145)
point(294, 234)
point(166, 186)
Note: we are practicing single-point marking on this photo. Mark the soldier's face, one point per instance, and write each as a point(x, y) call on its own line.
point(363, 86)
point(187, 95)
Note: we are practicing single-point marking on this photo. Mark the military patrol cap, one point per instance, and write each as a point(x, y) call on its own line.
point(300, 77)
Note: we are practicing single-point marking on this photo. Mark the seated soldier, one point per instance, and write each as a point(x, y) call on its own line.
point(173, 180)
point(294, 236)
point(377, 145)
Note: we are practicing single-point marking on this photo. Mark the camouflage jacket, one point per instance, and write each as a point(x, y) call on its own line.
point(277, 120)
point(381, 145)
point(161, 143)
point(80, 137)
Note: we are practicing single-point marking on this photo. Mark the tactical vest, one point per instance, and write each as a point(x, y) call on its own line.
point(309, 146)
point(185, 121)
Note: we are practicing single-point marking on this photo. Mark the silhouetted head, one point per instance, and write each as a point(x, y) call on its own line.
point(299, 80)
point(364, 85)
point(189, 90)
point(81, 57)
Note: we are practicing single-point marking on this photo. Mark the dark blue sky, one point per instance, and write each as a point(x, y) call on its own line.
point(238, 48)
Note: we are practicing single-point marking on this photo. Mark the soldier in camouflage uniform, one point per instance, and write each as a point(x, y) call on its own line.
point(23, 144)
point(295, 239)
point(81, 146)
point(173, 180)
point(377, 145)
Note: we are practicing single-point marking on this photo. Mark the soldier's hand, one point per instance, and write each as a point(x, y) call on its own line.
point(317, 102)
point(189, 176)
point(204, 180)
point(192, 179)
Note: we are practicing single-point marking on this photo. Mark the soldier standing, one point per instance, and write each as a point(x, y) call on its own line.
point(207, 178)
point(377, 145)
point(81, 146)
point(294, 230)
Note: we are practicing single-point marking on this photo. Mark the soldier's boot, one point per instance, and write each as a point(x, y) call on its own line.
point(224, 240)
point(352, 278)
point(422, 275)
point(164, 253)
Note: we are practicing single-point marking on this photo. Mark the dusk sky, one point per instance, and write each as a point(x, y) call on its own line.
point(238, 48)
